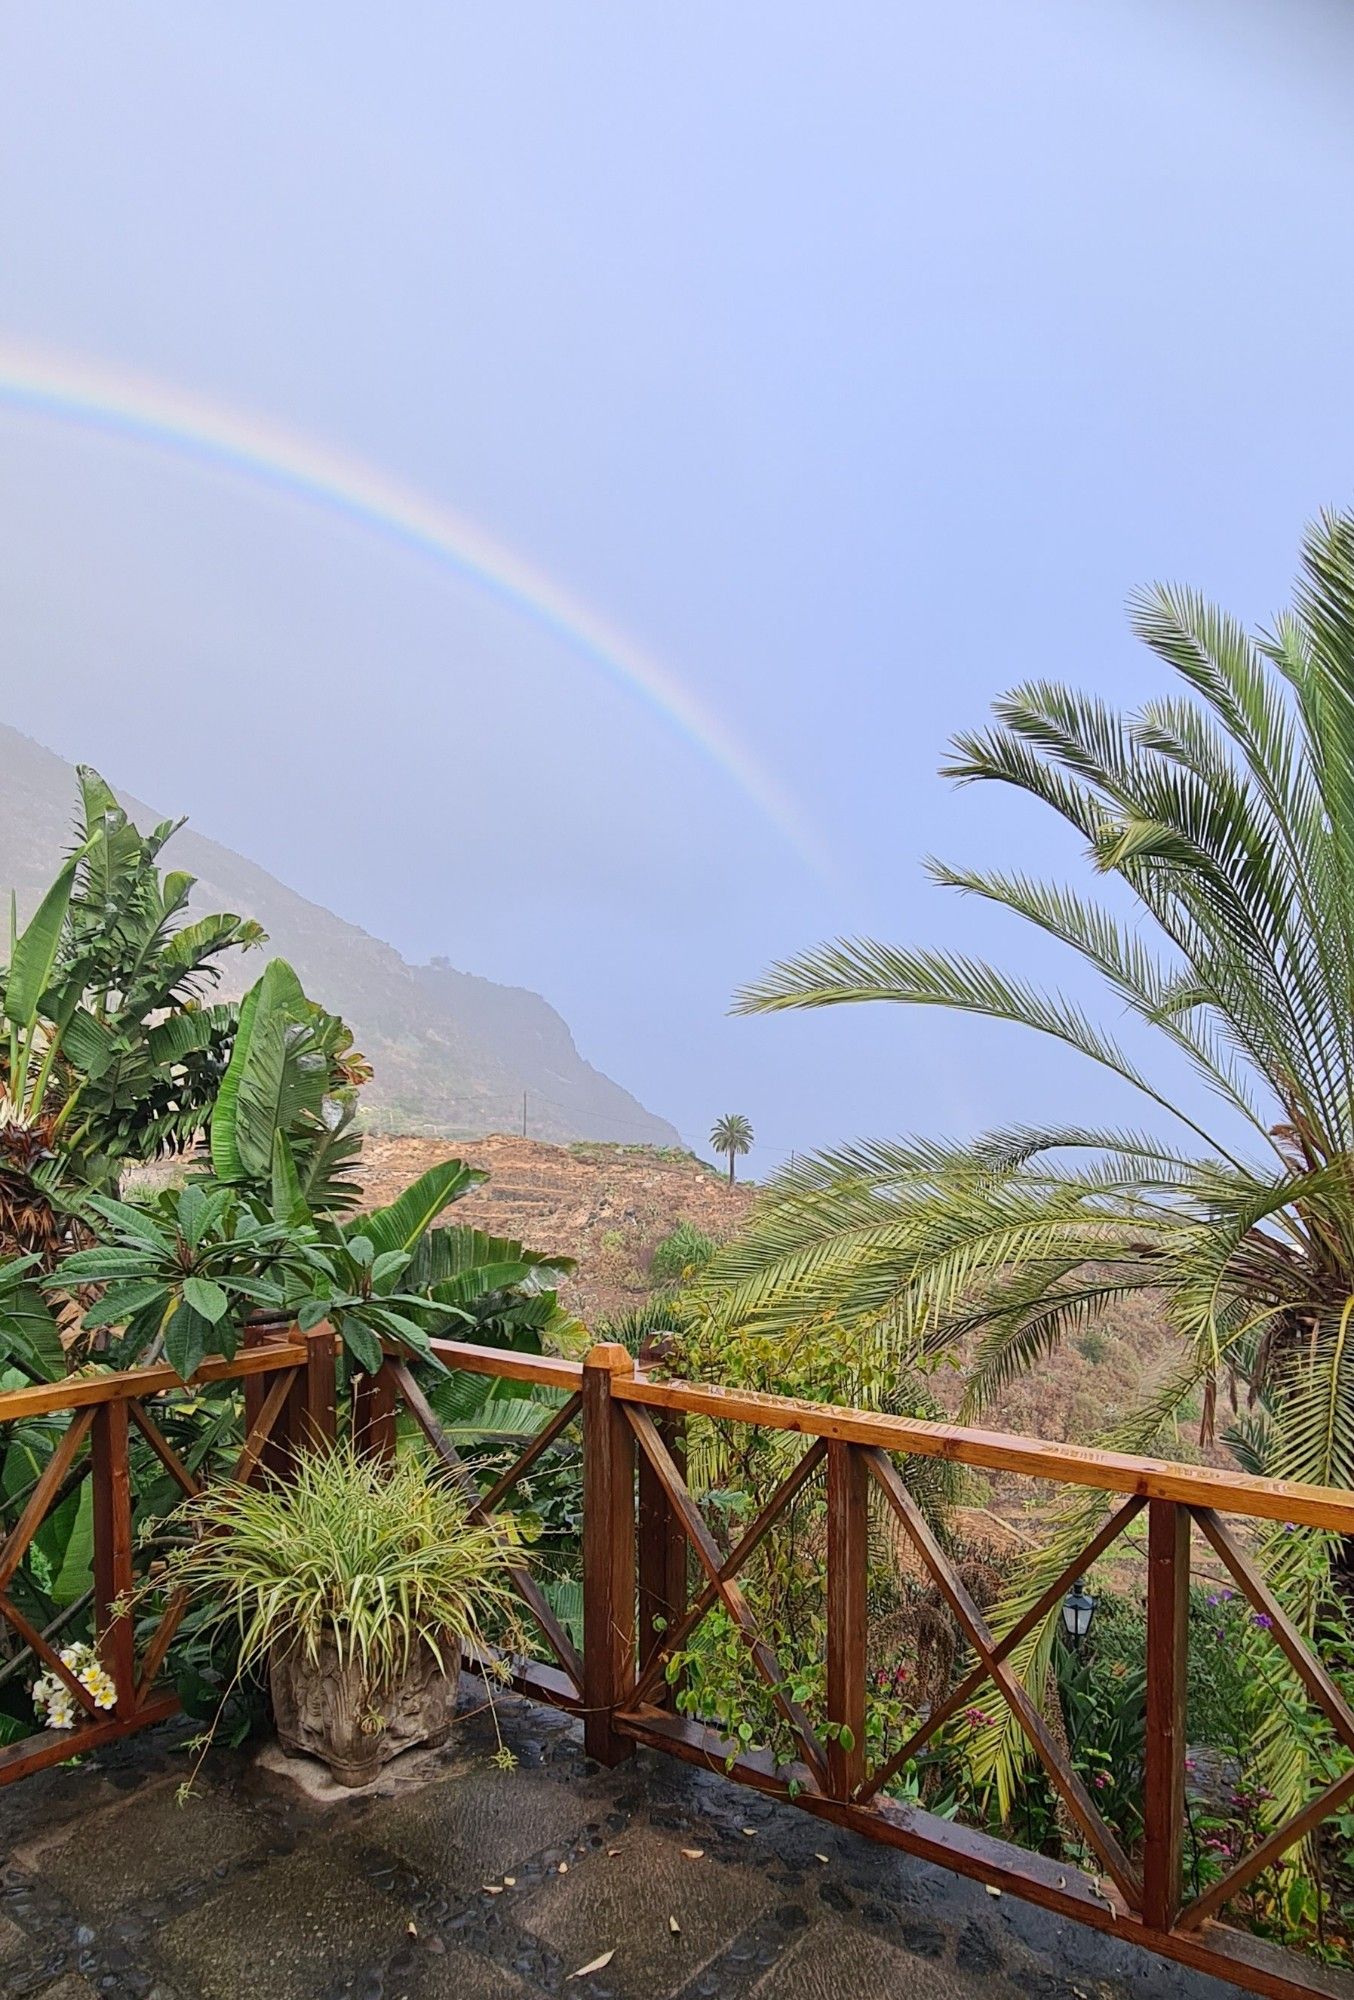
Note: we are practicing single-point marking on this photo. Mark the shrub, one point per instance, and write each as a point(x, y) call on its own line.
point(683, 1252)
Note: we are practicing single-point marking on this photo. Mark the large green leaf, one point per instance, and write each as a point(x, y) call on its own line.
point(28, 1333)
point(36, 947)
point(274, 1076)
point(66, 1539)
point(400, 1225)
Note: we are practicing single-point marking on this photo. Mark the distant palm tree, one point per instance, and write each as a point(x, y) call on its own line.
point(732, 1136)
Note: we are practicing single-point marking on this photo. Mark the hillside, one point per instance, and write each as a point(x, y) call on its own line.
point(608, 1206)
point(452, 1053)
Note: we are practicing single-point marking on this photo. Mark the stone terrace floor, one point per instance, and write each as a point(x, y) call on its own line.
point(255, 1890)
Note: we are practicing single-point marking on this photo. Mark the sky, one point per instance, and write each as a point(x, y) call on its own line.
point(850, 363)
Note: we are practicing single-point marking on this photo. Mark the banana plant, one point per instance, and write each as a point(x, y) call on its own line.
point(507, 1291)
point(107, 1053)
point(287, 1096)
point(30, 1345)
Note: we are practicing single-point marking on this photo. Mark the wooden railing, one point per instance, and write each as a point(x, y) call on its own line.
point(287, 1380)
point(652, 1570)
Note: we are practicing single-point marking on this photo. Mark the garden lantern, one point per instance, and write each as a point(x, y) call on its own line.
point(1078, 1611)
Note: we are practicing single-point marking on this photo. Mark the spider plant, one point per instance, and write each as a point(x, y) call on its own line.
point(376, 1562)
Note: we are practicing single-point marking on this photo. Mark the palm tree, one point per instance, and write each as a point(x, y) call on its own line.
point(1223, 816)
point(732, 1136)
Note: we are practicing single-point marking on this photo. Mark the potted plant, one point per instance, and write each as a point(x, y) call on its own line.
point(355, 1583)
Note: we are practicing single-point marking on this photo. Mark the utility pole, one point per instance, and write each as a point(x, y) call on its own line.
point(524, 1114)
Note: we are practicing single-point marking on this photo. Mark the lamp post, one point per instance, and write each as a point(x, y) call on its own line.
point(1078, 1611)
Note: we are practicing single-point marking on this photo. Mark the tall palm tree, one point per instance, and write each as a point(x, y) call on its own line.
point(731, 1135)
point(1223, 815)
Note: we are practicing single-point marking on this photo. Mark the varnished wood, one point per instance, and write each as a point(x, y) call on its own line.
point(1303, 1661)
point(276, 1455)
point(523, 1584)
point(546, 1371)
point(84, 1392)
point(608, 1553)
point(251, 1453)
point(161, 1640)
point(995, 1451)
point(374, 1413)
point(54, 1746)
point(1163, 1817)
point(313, 1416)
point(707, 1554)
point(42, 1496)
point(847, 1579)
point(1012, 1690)
point(114, 1580)
point(674, 1640)
point(662, 1550)
point(536, 1679)
point(163, 1450)
point(961, 1696)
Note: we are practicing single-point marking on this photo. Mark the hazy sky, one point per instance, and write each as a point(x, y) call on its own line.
point(857, 360)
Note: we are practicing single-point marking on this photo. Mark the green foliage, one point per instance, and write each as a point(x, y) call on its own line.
point(732, 1136)
point(29, 1342)
point(375, 1561)
point(106, 1052)
point(179, 1276)
point(1223, 816)
point(182, 1274)
point(681, 1255)
point(285, 1102)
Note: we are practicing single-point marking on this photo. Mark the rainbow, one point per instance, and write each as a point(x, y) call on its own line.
point(115, 403)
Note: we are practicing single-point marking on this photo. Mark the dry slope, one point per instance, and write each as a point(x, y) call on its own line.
point(608, 1206)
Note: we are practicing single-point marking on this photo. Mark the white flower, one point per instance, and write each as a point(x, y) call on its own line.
point(54, 1701)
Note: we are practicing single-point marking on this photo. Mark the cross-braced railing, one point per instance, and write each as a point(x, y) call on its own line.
point(287, 1384)
point(652, 1569)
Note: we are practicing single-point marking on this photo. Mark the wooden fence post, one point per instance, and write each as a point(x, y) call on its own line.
point(312, 1412)
point(374, 1414)
point(608, 1553)
point(113, 1576)
point(847, 1612)
point(663, 1586)
point(275, 1458)
point(1168, 1531)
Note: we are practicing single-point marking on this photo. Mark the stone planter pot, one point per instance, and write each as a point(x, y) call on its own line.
point(324, 1709)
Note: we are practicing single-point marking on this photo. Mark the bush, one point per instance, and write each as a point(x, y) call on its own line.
point(682, 1253)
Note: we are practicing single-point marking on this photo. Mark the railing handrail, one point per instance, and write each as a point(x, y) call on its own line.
point(1326, 1507)
point(81, 1392)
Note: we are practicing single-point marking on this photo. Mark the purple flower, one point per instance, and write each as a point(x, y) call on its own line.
point(1262, 1619)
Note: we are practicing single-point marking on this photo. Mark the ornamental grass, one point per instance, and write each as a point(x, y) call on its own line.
point(375, 1560)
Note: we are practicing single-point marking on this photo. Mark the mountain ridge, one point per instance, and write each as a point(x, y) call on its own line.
point(452, 1052)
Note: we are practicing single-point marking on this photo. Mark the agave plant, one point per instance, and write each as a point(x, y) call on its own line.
point(1224, 814)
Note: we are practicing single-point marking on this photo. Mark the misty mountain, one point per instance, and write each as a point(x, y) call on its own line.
point(452, 1053)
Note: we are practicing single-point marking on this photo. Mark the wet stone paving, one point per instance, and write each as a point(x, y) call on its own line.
point(455, 1879)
